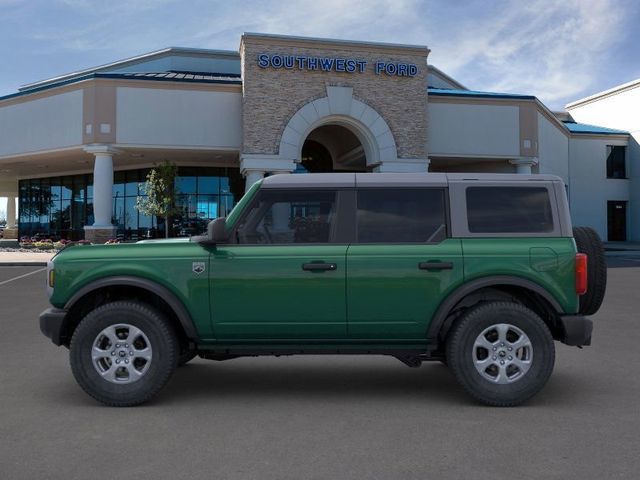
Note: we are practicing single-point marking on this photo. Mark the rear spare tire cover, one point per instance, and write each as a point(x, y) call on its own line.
point(588, 242)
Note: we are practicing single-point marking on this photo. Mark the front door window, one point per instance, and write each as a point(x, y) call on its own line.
point(281, 218)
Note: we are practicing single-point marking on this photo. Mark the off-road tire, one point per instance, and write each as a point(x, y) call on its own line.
point(588, 242)
point(160, 334)
point(186, 356)
point(460, 353)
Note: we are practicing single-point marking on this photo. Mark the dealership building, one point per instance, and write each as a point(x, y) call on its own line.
point(74, 149)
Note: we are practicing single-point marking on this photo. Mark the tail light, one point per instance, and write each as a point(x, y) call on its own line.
point(581, 273)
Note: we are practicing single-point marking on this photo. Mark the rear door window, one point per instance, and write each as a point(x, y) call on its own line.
point(403, 215)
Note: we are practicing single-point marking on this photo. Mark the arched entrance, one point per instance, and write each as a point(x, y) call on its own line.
point(332, 148)
point(337, 133)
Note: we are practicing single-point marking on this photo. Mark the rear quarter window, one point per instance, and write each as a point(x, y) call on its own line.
point(511, 209)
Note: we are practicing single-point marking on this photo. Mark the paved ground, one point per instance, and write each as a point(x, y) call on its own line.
point(318, 417)
point(24, 258)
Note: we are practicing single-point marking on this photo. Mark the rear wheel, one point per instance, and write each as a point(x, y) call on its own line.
point(123, 353)
point(588, 242)
point(501, 353)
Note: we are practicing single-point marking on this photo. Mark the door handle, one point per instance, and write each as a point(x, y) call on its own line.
point(319, 266)
point(435, 265)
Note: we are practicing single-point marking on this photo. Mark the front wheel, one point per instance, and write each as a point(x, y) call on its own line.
point(502, 353)
point(123, 353)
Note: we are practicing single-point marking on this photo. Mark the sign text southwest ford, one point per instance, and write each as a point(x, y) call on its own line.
point(342, 65)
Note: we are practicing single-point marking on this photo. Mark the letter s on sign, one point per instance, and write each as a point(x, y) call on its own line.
point(263, 60)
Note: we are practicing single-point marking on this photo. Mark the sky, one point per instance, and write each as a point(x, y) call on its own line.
point(559, 51)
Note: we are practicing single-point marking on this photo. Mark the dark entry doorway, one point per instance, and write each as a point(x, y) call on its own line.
point(332, 148)
point(617, 221)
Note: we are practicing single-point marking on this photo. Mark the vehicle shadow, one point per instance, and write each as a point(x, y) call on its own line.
point(255, 381)
point(310, 379)
point(335, 380)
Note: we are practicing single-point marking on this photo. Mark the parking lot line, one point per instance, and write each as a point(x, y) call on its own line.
point(22, 276)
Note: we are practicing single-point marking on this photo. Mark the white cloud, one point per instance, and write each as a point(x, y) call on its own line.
point(547, 48)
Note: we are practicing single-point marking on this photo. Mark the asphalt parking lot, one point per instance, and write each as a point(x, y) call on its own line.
point(320, 417)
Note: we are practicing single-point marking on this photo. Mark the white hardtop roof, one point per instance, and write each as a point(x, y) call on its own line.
point(311, 180)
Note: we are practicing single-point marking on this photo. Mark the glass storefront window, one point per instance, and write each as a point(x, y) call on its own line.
point(59, 207)
point(118, 184)
point(67, 188)
point(131, 185)
point(118, 212)
point(209, 185)
point(186, 184)
point(207, 206)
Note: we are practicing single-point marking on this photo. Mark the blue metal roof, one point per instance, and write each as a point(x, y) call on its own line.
point(159, 76)
point(449, 92)
point(175, 75)
point(593, 129)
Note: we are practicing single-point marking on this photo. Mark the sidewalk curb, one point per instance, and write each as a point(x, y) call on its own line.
point(23, 264)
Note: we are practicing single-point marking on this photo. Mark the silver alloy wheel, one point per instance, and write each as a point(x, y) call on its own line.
point(121, 353)
point(502, 353)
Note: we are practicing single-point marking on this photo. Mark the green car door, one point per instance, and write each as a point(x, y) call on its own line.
point(285, 277)
point(402, 265)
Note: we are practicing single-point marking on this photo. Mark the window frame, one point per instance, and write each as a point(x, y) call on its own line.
point(445, 204)
point(342, 234)
point(624, 159)
point(460, 222)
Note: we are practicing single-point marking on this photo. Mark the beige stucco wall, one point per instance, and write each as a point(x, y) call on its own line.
point(553, 149)
point(474, 129)
point(50, 122)
point(200, 118)
point(272, 96)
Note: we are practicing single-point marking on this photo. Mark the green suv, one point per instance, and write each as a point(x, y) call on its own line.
point(480, 272)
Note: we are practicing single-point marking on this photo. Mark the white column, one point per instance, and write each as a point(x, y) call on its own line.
point(102, 228)
point(523, 165)
point(281, 211)
point(253, 166)
point(102, 190)
point(11, 212)
point(252, 176)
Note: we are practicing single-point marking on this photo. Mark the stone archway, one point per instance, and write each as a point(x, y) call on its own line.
point(341, 109)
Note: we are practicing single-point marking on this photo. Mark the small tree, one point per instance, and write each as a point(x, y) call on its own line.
point(159, 193)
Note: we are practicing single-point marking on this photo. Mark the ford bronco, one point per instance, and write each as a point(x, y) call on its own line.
point(480, 272)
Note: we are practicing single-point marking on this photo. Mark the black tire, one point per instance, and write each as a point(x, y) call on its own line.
point(186, 356)
point(161, 339)
point(588, 241)
point(462, 355)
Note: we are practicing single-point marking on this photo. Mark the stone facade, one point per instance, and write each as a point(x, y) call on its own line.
point(272, 96)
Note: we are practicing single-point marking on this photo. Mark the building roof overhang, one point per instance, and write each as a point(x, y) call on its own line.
point(145, 57)
point(436, 71)
point(605, 93)
point(176, 77)
point(584, 128)
point(569, 128)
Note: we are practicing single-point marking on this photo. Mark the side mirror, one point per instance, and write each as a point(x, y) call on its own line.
point(217, 231)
